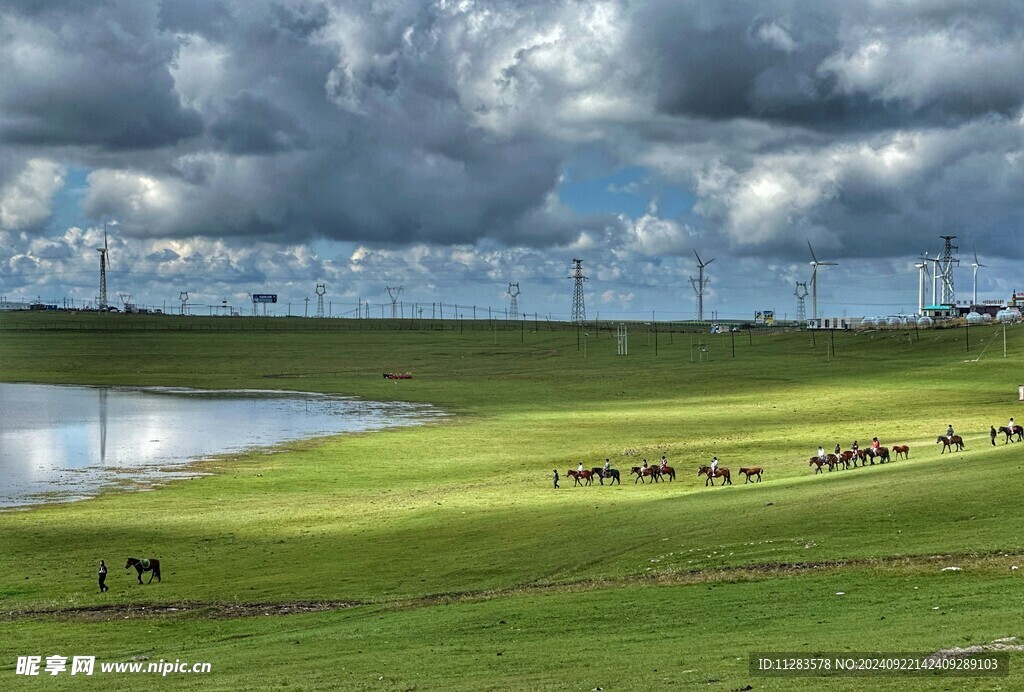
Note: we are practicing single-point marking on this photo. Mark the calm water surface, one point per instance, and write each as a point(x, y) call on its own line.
point(64, 443)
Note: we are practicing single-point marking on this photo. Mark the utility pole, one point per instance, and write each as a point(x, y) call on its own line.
point(579, 311)
point(394, 292)
point(321, 289)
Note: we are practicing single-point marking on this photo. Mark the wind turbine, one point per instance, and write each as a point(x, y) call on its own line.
point(922, 268)
point(976, 264)
point(699, 284)
point(103, 269)
point(814, 279)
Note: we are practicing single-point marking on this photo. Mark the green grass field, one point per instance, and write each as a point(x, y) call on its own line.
point(439, 557)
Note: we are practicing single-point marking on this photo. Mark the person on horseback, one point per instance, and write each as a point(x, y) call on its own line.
point(949, 430)
point(1013, 425)
point(664, 463)
point(714, 466)
point(607, 466)
point(643, 466)
point(855, 448)
point(838, 449)
point(821, 452)
point(579, 469)
point(874, 443)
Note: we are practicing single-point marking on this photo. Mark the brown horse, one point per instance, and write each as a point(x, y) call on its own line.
point(145, 565)
point(578, 476)
point(752, 471)
point(1017, 430)
point(669, 471)
point(816, 463)
point(712, 475)
point(952, 443)
point(612, 473)
point(901, 449)
point(848, 457)
point(880, 453)
point(640, 472)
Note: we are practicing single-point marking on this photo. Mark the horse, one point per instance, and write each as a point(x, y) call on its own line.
point(752, 471)
point(901, 449)
point(880, 453)
point(612, 473)
point(1017, 430)
point(950, 442)
point(833, 461)
point(145, 565)
point(669, 471)
point(846, 457)
point(817, 464)
point(712, 475)
point(577, 476)
point(640, 472)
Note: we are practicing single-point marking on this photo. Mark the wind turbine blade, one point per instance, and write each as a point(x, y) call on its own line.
point(709, 261)
point(699, 263)
point(812, 252)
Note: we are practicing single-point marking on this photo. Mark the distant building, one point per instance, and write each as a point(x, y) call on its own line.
point(834, 322)
point(11, 305)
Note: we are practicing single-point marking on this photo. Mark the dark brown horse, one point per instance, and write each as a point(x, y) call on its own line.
point(145, 565)
point(952, 443)
point(752, 471)
point(1017, 430)
point(817, 464)
point(612, 473)
point(578, 476)
point(642, 471)
point(720, 472)
point(669, 471)
point(880, 453)
point(901, 449)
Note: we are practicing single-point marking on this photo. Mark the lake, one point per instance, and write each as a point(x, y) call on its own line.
point(61, 443)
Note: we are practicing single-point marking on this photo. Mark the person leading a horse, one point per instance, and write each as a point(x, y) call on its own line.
point(556, 478)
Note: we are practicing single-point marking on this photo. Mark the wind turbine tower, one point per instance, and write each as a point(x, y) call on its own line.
point(814, 279)
point(513, 306)
point(922, 268)
point(975, 265)
point(947, 263)
point(103, 269)
point(321, 289)
point(699, 284)
point(579, 310)
point(801, 301)
point(394, 292)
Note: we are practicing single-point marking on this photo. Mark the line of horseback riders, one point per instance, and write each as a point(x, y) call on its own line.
point(845, 459)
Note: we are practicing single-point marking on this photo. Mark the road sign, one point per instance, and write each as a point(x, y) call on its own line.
point(264, 297)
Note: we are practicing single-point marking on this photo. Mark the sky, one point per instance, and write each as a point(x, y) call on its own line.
point(451, 147)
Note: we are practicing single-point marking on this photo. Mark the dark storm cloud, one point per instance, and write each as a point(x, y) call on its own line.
point(835, 66)
point(403, 122)
point(89, 74)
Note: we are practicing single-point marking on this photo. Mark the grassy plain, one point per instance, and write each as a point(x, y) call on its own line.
point(450, 561)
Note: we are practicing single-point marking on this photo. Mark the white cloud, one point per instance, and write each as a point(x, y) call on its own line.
point(26, 200)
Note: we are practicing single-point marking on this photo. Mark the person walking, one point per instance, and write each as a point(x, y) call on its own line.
point(555, 471)
point(103, 577)
point(992, 434)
